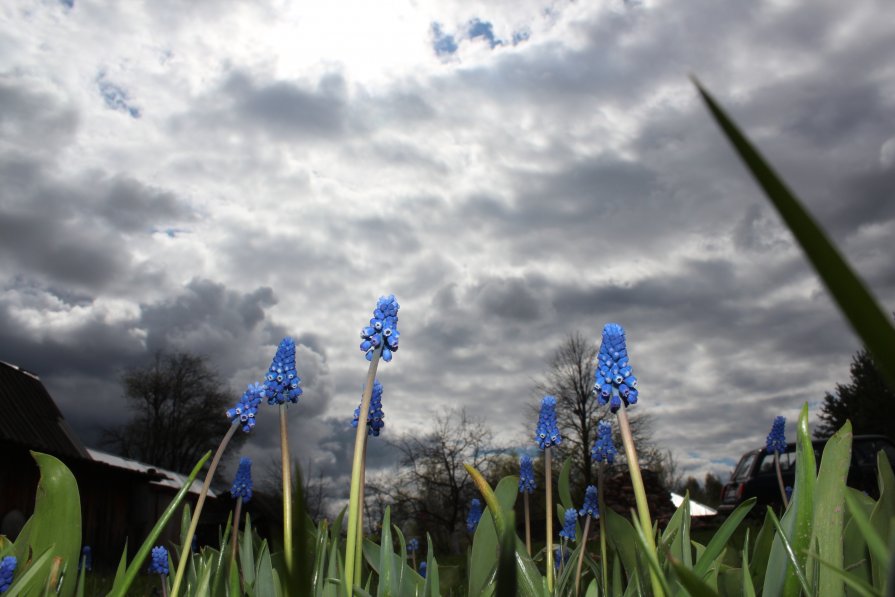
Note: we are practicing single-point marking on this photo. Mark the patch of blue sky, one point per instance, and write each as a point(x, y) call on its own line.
point(443, 43)
point(521, 36)
point(485, 30)
point(170, 232)
point(67, 3)
point(115, 96)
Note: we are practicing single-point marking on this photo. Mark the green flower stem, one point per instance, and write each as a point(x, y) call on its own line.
point(164, 585)
point(359, 551)
point(601, 504)
point(357, 470)
point(287, 489)
point(527, 524)
point(562, 554)
point(581, 554)
point(233, 541)
point(780, 480)
point(548, 486)
point(639, 494)
point(185, 553)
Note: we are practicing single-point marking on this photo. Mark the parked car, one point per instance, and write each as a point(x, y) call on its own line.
point(755, 475)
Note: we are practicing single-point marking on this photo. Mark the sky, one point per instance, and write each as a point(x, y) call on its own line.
point(213, 176)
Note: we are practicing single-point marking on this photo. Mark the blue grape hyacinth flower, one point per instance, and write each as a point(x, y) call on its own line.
point(242, 483)
point(547, 431)
point(590, 506)
point(159, 562)
point(475, 514)
point(7, 570)
point(526, 475)
point(423, 569)
point(560, 556)
point(568, 527)
point(245, 410)
point(776, 439)
point(413, 545)
point(614, 380)
point(383, 329)
point(86, 560)
point(375, 423)
point(281, 384)
point(604, 450)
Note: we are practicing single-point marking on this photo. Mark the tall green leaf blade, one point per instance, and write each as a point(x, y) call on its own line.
point(721, 537)
point(829, 524)
point(857, 304)
point(565, 496)
point(56, 522)
point(623, 538)
point(483, 561)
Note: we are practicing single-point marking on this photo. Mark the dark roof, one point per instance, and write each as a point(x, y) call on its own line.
point(31, 418)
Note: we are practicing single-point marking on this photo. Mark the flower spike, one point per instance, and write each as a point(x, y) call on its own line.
point(242, 483)
point(159, 562)
point(375, 416)
point(614, 380)
point(281, 384)
point(568, 528)
point(547, 432)
point(776, 441)
point(526, 475)
point(590, 507)
point(247, 407)
point(383, 329)
point(475, 514)
point(604, 450)
point(7, 569)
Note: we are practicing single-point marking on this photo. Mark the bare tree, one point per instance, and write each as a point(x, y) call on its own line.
point(433, 487)
point(178, 409)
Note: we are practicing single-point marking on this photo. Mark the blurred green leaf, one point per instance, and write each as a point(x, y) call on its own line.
point(55, 524)
point(795, 565)
point(854, 300)
point(692, 583)
point(622, 537)
point(721, 537)
point(829, 515)
point(565, 496)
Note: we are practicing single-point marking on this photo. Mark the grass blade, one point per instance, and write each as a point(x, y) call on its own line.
point(866, 317)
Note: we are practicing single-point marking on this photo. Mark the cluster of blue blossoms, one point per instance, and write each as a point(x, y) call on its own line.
point(475, 514)
point(547, 431)
point(590, 506)
point(413, 545)
point(247, 407)
point(159, 562)
point(526, 475)
point(568, 527)
point(7, 569)
point(375, 416)
point(604, 450)
point(242, 483)
point(776, 439)
point(614, 379)
point(282, 381)
point(383, 329)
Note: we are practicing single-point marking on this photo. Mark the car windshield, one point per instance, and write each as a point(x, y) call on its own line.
point(787, 462)
point(743, 468)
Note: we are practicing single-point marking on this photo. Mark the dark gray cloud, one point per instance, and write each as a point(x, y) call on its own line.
point(508, 195)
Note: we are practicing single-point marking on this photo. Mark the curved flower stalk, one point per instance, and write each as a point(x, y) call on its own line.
point(379, 339)
point(603, 453)
point(242, 416)
point(241, 491)
point(616, 386)
point(776, 444)
point(590, 509)
point(547, 435)
point(159, 565)
point(527, 485)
